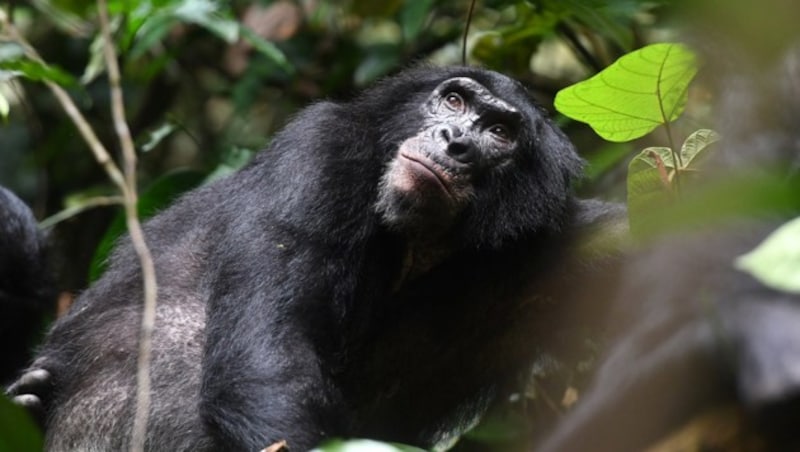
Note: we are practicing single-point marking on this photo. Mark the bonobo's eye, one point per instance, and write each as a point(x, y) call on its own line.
point(500, 132)
point(454, 101)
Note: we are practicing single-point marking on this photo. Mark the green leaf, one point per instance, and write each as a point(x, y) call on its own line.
point(609, 18)
point(149, 23)
point(719, 201)
point(149, 33)
point(36, 71)
point(605, 159)
point(413, 17)
point(651, 173)
point(695, 146)
point(97, 62)
point(640, 91)
point(380, 60)
point(232, 161)
point(208, 14)
point(268, 49)
point(155, 137)
point(11, 51)
point(776, 261)
point(648, 186)
point(5, 107)
point(385, 8)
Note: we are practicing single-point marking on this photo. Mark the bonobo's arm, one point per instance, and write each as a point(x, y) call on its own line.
point(263, 376)
point(263, 381)
point(288, 257)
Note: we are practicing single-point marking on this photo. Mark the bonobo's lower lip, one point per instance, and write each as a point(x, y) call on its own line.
point(429, 168)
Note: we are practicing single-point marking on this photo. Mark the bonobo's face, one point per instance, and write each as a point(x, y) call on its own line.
point(467, 133)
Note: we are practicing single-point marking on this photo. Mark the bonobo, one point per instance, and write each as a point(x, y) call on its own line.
point(26, 287)
point(379, 271)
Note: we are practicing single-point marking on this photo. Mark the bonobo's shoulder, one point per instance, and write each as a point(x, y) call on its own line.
point(598, 213)
point(599, 229)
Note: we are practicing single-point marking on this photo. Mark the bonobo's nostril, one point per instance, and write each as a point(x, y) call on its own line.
point(449, 132)
point(462, 150)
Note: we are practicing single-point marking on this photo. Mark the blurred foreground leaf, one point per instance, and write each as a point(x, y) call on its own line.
point(17, 431)
point(776, 261)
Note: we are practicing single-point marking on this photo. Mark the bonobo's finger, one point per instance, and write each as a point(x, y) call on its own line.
point(33, 405)
point(34, 381)
point(29, 401)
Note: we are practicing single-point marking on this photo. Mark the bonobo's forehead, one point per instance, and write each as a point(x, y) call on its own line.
point(470, 88)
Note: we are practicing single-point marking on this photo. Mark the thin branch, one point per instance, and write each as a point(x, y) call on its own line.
point(466, 33)
point(99, 201)
point(127, 185)
point(575, 41)
point(139, 433)
point(95, 145)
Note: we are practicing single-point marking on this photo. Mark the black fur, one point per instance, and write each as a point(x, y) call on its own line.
point(27, 292)
point(289, 309)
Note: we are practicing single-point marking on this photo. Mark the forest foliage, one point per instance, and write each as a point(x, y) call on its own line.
point(206, 83)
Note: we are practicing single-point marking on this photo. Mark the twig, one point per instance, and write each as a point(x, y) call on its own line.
point(126, 183)
point(90, 203)
point(466, 33)
point(139, 433)
point(100, 153)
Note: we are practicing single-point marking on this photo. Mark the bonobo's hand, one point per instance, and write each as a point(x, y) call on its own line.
point(32, 389)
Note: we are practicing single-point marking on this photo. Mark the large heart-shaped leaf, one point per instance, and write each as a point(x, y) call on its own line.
point(640, 91)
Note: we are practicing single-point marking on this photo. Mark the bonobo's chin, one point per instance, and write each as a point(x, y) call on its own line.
point(413, 213)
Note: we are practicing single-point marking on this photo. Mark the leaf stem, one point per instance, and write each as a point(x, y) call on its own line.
point(676, 158)
point(99, 201)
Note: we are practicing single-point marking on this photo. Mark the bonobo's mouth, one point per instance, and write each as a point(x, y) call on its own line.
point(427, 170)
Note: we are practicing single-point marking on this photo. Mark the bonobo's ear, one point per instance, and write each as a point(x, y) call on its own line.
point(532, 195)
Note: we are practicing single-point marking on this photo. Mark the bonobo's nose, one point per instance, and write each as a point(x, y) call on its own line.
point(459, 146)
